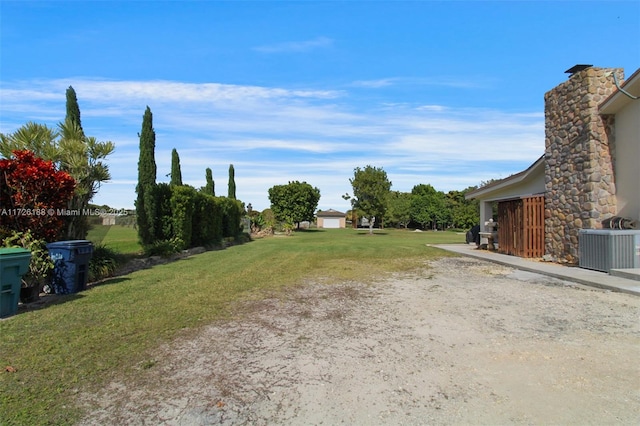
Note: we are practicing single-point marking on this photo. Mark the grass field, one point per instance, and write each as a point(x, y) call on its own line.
point(111, 330)
point(123, 239)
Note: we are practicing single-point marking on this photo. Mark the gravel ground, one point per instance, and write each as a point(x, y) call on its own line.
point(460, 342)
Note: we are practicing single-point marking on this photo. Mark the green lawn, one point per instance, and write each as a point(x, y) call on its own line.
point(123, 239)
point(85, 340)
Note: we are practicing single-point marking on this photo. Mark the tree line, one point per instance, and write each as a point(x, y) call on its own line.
point(426, 208)
point(372, 198)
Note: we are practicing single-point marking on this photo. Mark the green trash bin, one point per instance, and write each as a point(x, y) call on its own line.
point(14, 263)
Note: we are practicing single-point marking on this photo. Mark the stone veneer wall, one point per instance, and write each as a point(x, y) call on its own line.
point(579, 180)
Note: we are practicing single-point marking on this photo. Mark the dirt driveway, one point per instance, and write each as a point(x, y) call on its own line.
point(461, 342)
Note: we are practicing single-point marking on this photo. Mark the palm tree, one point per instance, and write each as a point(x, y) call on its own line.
point(35, 137)
point(80, 156)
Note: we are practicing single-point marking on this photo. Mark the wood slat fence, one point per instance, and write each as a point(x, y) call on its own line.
point(521, 227)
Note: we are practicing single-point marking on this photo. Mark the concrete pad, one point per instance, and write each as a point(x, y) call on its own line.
point(562, 272)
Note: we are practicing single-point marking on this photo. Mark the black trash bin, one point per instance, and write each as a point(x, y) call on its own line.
point(71, 259)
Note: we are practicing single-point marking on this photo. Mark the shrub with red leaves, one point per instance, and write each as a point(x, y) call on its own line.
point(33, 195)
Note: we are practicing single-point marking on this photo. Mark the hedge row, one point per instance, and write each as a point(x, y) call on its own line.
point(192, 218)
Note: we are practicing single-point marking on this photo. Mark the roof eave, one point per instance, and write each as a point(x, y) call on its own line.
point(618, 99)
point(506, 182)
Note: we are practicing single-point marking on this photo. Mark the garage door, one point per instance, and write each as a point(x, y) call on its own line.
point(331, 223)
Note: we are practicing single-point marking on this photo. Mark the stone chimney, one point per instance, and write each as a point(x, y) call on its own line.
point(579, 180)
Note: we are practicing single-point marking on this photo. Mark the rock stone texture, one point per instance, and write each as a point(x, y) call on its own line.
point(579, 143)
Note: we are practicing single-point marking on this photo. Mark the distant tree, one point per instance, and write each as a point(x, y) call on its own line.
point(210, 186)
point(370, 193)
point(295, 202)
point(352, 214)
point(256, 220)
point(443, 214)
point(267, 219)
point(176, 174)
point(428, 206)
point(145, 202)
point(486, 182)
point(398, 209)
point(464, 213)
point(421, 204)
point(232, 183)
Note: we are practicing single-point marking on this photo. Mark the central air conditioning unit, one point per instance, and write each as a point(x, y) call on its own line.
point(607, 249)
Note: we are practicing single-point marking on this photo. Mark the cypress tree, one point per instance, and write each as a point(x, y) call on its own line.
point(72, 157)
point(210, 187)
point(75, 227)
point(176, 174)
point(147, 164)
point(73, 109)
point(232, 183)
point(145, 203)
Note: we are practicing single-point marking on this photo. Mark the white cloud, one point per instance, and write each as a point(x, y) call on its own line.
point(455, 82)
point(115, 93)
point(383, 82)
point(296, 46)
point(450, 82)
point(436, 108)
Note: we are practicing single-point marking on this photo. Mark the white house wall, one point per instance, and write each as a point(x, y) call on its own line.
point(627, 160)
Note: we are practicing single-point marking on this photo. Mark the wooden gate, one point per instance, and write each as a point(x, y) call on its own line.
point(521, 227)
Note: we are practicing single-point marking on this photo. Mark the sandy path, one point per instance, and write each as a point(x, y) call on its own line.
point(462, 342)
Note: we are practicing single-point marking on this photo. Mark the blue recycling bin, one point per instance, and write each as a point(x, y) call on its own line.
point(71, 265)
point(14, 263)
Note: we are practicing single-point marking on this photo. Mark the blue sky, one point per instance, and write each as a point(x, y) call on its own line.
point(445, 93)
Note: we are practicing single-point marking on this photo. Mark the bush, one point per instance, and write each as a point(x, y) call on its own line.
point(268, 218)
point(189, 218)
point(164, 248)
point(163, 225)
point(104, 262)
point(40, 264)
point(207, 221)
point(30, 188)
point(231, 214)
point(182, 206)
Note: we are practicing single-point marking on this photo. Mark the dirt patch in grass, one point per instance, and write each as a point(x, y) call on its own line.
point(463, 341)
